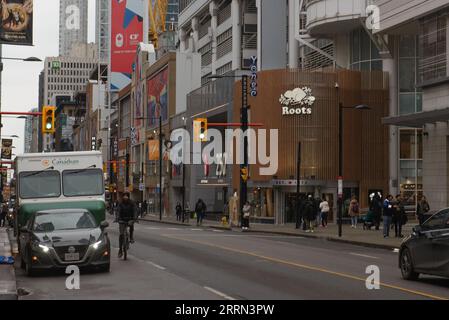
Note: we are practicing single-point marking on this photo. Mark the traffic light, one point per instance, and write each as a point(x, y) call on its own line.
point(200, 130)
point(48, 119)
point(244, 173)
point(114, 167)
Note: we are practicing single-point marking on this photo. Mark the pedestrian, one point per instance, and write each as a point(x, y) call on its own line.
point(178, 210)
point(318, 212)
point(226, 210)
point(376, 208)
point(388, 214)
point(354, 211)
point(200, 210)
point(324, 207)
point(126, 213)
point(3, 214)
point(422, 210)
point(309, 214)
point(145, 207)
point(140, 209)
point(400, 216)
point(246, 214)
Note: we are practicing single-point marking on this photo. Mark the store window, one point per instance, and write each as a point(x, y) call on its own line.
point(410, 97)
point(411, 164)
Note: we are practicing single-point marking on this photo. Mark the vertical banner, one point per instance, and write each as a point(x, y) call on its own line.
point(158, 97)
point(6, 149)
point(153, 150)
point(126, 34)
point(16, 22)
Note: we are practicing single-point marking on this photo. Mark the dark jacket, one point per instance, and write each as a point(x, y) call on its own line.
point(127, 211)
point(309, 210)
point(178, 209)
point(388, 208)
point(200, 207)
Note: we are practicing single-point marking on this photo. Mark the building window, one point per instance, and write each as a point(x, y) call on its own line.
point(225, 69)
point(410, 97)
point(364, 53)
point(204, 28)
point(411, 163)
point(432, 43)
point(224, 43)
point(206, 54)
point(224, 14)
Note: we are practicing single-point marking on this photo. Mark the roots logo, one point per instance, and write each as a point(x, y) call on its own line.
point(45, 163)
point(300, 97)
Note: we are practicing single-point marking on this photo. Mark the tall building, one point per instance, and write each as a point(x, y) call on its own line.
point(73, 24)
point(63, 78)
point(102, 29)
point(31, 126)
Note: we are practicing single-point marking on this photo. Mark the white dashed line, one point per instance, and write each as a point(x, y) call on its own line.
point(218, 293)
point(362, 255)
point(217, 230)
point(156, 265)
point(152, 228)
point(173, 229)
point(396, 250)
point(196, 229)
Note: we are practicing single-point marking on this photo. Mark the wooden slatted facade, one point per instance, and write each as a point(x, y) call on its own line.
point(365, 146)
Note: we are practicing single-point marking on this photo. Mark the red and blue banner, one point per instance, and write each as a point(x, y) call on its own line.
point(126, 33)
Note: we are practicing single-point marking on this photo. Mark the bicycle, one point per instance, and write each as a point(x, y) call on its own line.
point(126, 241)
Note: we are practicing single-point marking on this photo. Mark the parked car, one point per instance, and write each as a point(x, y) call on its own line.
point(55, 239)
point(426, 250)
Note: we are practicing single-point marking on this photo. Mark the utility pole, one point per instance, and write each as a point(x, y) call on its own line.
point(160, 167)
point(244, 166)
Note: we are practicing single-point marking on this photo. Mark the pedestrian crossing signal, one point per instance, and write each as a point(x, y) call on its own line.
point(48, 119)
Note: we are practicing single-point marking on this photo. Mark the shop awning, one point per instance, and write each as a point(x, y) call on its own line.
point(418, 120)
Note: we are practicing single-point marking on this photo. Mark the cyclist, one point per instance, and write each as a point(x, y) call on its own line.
point(126, 213)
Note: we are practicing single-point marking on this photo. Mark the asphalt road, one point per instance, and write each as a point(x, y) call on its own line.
point(171, 263)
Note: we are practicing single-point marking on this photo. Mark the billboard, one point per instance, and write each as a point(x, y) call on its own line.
point(126, 34)
point(6, 149)
point(17, 22)
point(158, 97)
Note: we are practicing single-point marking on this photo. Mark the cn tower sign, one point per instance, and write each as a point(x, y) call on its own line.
point(298, 101)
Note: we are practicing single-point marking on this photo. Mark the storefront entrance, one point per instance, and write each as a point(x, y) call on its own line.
point(290, 207)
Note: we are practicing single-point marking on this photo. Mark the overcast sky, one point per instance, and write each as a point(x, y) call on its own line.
point(20, 80)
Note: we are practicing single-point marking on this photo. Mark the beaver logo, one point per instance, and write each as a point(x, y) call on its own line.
point(45, 163)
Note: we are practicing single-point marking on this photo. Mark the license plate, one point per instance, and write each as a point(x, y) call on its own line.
point(72, 256)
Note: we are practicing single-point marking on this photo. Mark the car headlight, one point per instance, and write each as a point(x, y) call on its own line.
point(96, 245)
point(45, 249)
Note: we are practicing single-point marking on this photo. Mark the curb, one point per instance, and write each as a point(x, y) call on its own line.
point(8, 285)
point(305, 235)
point(328, 238)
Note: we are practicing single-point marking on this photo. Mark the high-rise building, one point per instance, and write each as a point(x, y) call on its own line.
point(31, 124)
point(63, 78)
point(73, 18)
point(102, 29)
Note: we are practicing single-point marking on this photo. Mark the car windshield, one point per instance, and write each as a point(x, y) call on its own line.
point(49, 222)
point(39, 184)
point(88, 182)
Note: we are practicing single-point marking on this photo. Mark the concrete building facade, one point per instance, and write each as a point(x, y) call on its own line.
point(73, 24)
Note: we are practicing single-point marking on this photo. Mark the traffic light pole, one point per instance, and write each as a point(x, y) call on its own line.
point(160, 168)
point(244, 121)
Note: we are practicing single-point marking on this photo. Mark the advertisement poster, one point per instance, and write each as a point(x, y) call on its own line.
point(6, 149)
point(153, 150)
point(126, 34)
point(17, 22)
point(158, 98)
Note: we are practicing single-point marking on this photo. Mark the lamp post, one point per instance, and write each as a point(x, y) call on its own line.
point(244, 127)
point(160, 160)
point(340, 161)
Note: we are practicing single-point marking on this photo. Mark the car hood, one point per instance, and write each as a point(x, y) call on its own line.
point(69, 237)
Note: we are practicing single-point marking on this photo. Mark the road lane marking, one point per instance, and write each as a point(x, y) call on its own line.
point(173, 229)
point(156, 265)
point(152, 228)
point(217, 230)
point(218, 293)
point(396, 250)
point(312, 268)
point(362, 255)
point(196, 229)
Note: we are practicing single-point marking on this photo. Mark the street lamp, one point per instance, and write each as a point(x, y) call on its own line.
point(160, 159)
point(244, 127)
point(340, 161)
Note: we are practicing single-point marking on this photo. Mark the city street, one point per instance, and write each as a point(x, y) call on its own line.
point(188, 263)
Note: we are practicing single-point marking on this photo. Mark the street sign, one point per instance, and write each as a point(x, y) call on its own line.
point(141, 187)
point(340, 187)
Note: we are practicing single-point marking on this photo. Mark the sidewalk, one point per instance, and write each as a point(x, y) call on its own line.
point(367, 238)
point(8, 290)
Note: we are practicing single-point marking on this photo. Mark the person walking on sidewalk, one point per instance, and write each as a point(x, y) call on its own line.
point(423, 208)
point(246, 214)
point(299, 207)
point(388, 214)
point(400, 216)
point(178, 211)
point(3, 214)
point(309, 213)
point(324, 208)
point(354, 211)
point(200, 210)
point(376, 208)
